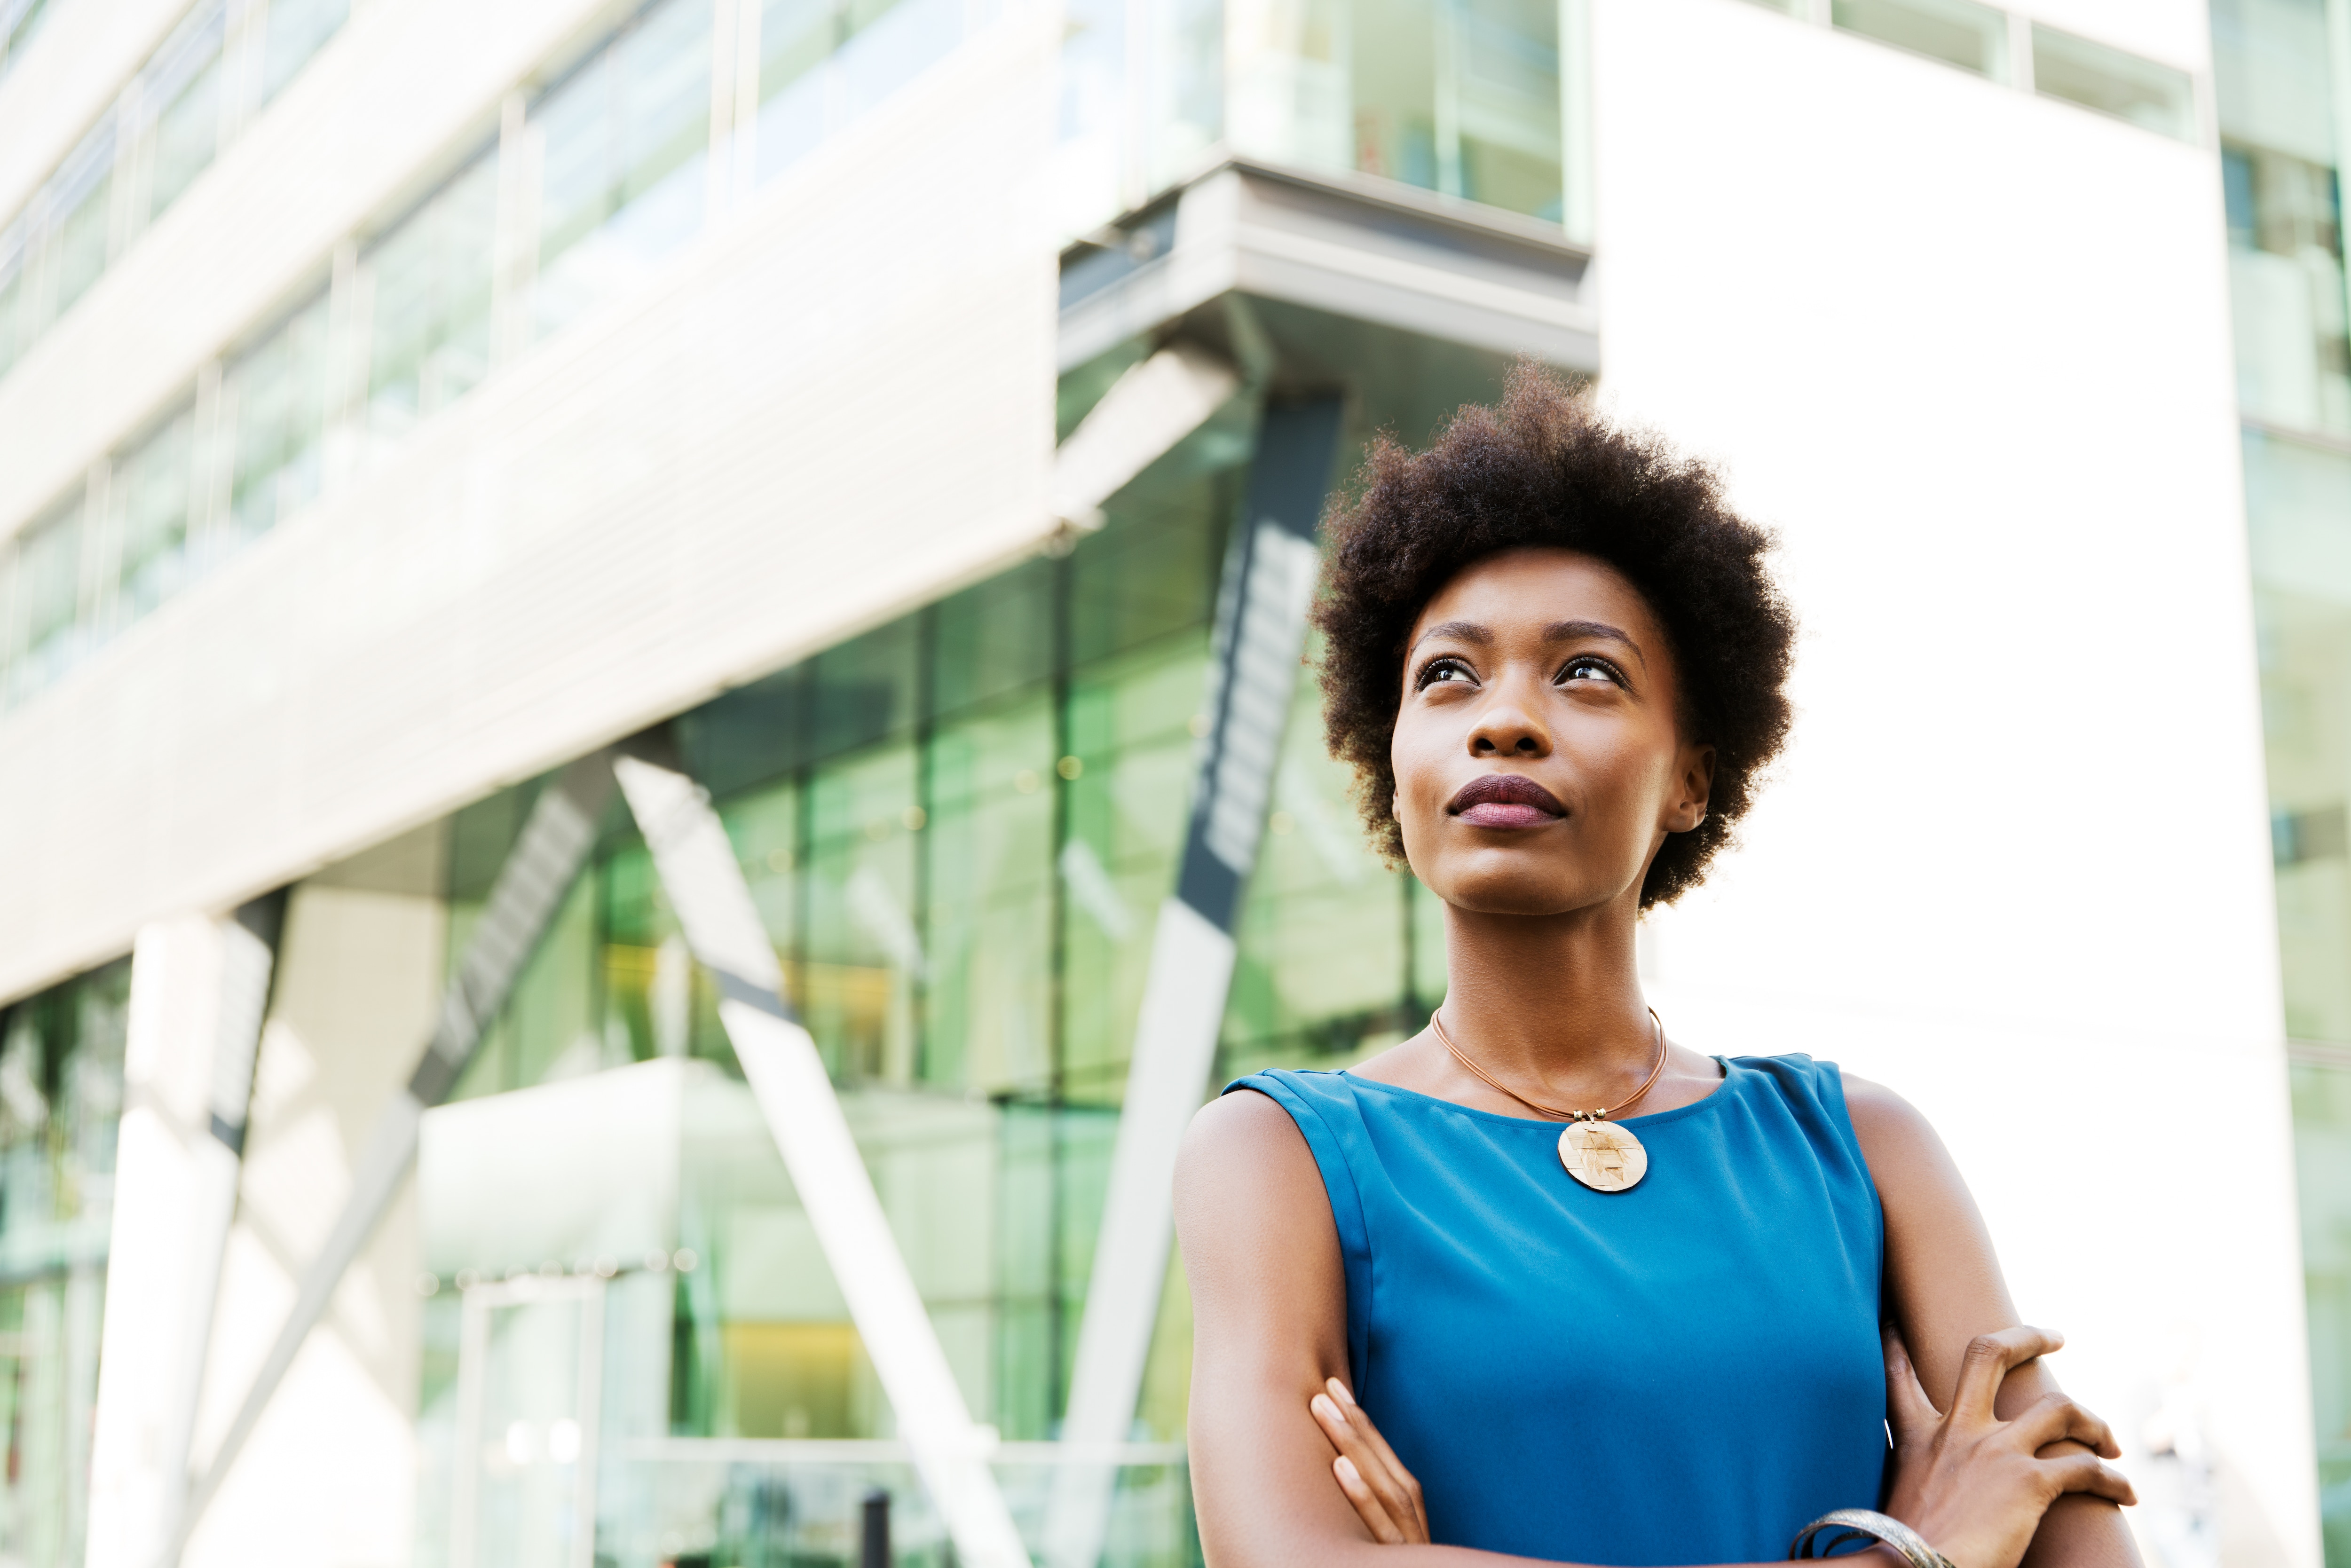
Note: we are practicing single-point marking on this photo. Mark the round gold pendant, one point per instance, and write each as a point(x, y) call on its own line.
point(1602, 1155)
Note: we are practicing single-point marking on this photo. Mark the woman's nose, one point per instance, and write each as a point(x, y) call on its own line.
point(1508, 729)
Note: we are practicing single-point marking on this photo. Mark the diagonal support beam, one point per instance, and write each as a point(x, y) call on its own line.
point(1148, 410)
point(1260, 632)
point(697, 868)
point(538, 873)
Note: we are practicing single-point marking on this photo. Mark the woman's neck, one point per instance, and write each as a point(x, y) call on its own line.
point(1555, 1000)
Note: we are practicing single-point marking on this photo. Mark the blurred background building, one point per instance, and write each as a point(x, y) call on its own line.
point(901, 422)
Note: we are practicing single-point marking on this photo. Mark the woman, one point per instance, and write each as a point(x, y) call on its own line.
point(1602, 1299)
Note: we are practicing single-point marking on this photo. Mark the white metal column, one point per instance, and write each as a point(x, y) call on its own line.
point(198, 988)
point(706, 886)
point(1260, 634)
point(530, 885)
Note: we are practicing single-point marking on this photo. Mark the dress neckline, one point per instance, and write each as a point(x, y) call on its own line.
point(1654, 1119)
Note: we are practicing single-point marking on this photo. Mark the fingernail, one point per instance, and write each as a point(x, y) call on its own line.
point(1325, 1408)
point(1346, 1467)
point(1341, 1389)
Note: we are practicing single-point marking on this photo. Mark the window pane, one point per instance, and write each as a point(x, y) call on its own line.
point(79, 207)
point(297, 30)
point(1130, 727)
point(60, 1108)
point(1957, 32)
point(184, 82)
point(888, 42)
point(1322, 971)
point(1459, 96)
point(14, 304)
point(275, 404)
point(150, 500)
point(623, 143)
point(19, 21)
point(2286, 290)
point(865, 957)
point(796, 38)
point(2270, 77)
point(431, 278)
point(988, 847)
point(47, 600)
point(2298, 501)
point(2321, 1083)
point(2152, 96)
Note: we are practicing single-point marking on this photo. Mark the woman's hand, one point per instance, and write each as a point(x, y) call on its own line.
point(1970, 1482)
point(1385, 1496)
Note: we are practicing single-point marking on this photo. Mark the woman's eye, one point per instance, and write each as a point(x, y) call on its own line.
point(1588, 670)
point(1444, 670)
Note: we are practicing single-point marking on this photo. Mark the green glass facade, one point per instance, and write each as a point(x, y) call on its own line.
point(958, 829)
point(2278, 73)
point(60, 1110)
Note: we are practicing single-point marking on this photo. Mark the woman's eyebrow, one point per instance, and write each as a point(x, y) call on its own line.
point(1575, 631)
point(1459, 631)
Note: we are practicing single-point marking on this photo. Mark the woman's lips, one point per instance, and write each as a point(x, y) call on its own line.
point(1505, 800)
point(1504, 814)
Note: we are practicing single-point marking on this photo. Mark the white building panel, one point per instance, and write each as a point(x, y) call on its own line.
point(365, 122)
point(835, 407)
point(68, 76)
point(1970, 350)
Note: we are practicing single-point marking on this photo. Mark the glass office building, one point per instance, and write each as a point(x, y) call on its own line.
point(958, 828)
point(2280, 95)
point(603, 1321)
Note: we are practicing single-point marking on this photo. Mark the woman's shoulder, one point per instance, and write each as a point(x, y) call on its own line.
point(1245, 1167)
point(1862, 1101)
point(1901, 1146)
point(1878, 1115)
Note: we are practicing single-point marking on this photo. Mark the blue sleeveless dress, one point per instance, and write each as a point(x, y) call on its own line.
point(1684, 1373)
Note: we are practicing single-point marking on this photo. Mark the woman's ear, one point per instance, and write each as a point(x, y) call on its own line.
point(1689, 809)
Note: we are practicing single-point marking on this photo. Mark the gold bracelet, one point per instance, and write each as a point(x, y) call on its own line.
point(1864, 1525)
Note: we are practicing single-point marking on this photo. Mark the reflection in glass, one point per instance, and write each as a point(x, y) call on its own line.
point(2285, 215)
point(612, 180)
point(620, 144)
point(46, 637)
point(1957, 32)
point(958, 829)
point(2082, 70)
point(430, 286)
point(2286, 289)
point(529, 1359)
point(183, 84)
point(151, 502)
point(294, 31)
point(81, 206)
point(1460, 96)
point(60, 1107)
point(15, 293)
point(196, 90)
point(274, 417)
point(20, 21)
point(2298, 501)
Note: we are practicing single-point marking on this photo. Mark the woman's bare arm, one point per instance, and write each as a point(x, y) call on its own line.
point(1944, 1289)
point(1269, 1324)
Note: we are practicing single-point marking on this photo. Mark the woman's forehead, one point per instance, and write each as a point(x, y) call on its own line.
point(1525, 590)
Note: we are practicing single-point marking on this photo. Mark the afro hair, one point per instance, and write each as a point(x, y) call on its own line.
point(1545, 469)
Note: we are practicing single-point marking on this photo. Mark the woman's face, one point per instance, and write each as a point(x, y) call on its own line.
point(1539, 765)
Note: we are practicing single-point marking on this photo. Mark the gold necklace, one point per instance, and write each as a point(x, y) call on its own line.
point(1602, 1155)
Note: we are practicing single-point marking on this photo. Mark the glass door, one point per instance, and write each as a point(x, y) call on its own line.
point(529, 1360)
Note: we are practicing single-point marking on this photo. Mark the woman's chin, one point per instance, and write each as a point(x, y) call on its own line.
point(1513, 891)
